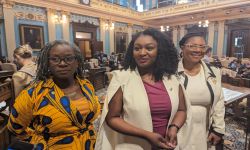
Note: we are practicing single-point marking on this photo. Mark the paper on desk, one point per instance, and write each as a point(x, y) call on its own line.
point(230, 94)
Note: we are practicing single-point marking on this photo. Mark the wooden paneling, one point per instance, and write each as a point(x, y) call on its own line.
point(7, 95)
point(97, 46)
point(243, 45)
point(121, 42)
point(97, 77)
point(84, 27)
point(87, 46)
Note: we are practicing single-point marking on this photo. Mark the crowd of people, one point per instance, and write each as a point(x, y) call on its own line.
point(151, 103)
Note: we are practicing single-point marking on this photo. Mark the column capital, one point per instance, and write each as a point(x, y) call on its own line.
point(211, 23)
point(103, 19)
point(51, 10)
point(175, 27)
point(65, 13)
point(7, 3)
point(182, 27)
point(130, 25)
point(221, 21)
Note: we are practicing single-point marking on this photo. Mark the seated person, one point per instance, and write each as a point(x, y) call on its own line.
point(207, 55)
point(237, 66)
point(27, 68)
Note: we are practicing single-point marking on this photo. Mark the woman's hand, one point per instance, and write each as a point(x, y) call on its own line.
point(171, 137)
point(213, 138)
point(157, 140)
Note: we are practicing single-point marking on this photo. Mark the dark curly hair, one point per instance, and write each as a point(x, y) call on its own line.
point(167, 58)
point(43, 61)
point(188, 36)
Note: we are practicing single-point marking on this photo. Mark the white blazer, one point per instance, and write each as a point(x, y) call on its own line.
point(217, 109)
point(136, 111)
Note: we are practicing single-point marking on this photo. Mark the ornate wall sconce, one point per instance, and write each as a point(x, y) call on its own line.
point(59, 18)
point(203, 23)
point(109, 25)
point(167, 28)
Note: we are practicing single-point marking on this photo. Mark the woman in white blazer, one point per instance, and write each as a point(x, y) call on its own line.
point(128, 119)
point(202, 83)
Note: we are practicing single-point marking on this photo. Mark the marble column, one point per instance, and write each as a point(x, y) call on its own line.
point(211, 34)
point(175, 34)
point(9, 24)
point(102, 31)
point(51, 24)
point(182, 31)
point(65, 26)
point(221, 30)
point(111, 39)
point(130, 32)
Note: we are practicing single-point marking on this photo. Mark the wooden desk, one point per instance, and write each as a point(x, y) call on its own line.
point(235, 102)
point(97, 77)
point(7, 95)
point(245, 93)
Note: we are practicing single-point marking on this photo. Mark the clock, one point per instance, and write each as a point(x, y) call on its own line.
point(86, 2)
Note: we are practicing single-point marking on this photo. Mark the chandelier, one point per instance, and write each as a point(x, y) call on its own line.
point(203, 23)
point(59, 19)
point(164, 28)
point(109, 25)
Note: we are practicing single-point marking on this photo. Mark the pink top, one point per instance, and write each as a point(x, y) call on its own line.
point(160, 106)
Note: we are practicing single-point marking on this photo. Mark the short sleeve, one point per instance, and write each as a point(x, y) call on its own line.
point(18, 80)
point(21, 114)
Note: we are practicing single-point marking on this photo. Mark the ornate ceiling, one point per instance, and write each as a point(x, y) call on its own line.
point(212, 10)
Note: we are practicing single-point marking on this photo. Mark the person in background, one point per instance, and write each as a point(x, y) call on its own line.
point(237, 66)
point(61, 105)
point(207, 56)
point(0, 65)
point(113, 61)
point(145, 105)
point(207, 101)
point(27, 68)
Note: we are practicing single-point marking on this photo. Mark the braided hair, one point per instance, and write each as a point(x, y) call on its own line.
point(43, 72)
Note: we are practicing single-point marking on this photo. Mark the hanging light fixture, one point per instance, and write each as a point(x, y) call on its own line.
point(109, 25)
point(59, 19)
point(167, 28)
point(203, 23)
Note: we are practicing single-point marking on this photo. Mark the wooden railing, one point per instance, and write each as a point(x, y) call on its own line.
point(6, 95)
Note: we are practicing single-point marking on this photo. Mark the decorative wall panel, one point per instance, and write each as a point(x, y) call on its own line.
point(30, 12)
point(82, 19)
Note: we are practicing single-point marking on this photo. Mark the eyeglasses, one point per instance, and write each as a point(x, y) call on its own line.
point(194, 47)
point(68, 60)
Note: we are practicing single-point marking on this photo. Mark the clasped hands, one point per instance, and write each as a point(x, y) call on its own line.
point(213, 138)
point(167, 143)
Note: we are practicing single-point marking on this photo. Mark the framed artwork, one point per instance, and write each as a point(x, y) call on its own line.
point(32, 35)
point(121, 42)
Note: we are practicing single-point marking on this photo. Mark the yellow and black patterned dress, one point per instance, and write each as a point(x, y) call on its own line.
point(57, 122)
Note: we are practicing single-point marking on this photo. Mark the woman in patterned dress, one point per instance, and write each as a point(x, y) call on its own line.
point(61, 105)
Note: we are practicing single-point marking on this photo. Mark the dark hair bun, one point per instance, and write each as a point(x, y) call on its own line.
point(188, 36)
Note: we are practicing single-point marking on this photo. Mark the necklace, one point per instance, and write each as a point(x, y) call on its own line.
point(73, 91)
point(72, 94)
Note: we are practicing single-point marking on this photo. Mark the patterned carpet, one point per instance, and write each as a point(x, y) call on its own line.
point(234, 138)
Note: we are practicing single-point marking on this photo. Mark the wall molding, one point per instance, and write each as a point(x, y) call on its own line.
point(28, 12)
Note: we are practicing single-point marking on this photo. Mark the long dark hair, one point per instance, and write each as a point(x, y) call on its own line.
point(167, 57)
point(43, 61)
